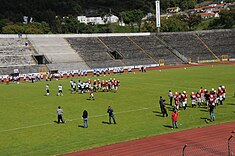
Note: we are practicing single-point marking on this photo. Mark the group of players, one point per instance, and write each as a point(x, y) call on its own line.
point(212, 97)
point(89, 86)
point(96, 85)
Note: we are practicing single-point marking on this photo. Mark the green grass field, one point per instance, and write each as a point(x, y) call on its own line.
point(27, 116)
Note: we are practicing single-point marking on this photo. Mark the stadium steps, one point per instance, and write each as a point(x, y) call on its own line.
point(174, 51)
point(145, 52)
point(106, 46)
point(204, 44)
point(59, 53)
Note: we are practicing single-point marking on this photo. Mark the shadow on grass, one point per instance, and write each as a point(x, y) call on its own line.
point(167, 126)
point(207, 120)
point(157, 112)
point(81, 126)
point(105, 122)
point(203, 110)
point(203, 107)
point(159, 115)
point(232, 104)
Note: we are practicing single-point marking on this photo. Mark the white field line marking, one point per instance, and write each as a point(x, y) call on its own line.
point(70, 120)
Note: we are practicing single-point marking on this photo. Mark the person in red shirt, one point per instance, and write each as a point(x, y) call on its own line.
point(99, 84)
point(91, 94)
point(220, 95)
point(176, 99)
point(193, 97)
point(174, 117)
point(224, 92)
point(199, 100)
point(103, 85)
point(201, 91)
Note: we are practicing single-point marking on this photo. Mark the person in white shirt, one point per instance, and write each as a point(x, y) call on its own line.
point(170, 95)
point(60, 115)
point(60, 90)
point(47, 90)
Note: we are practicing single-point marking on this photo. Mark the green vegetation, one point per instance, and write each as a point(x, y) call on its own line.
point(27, 116)
point(59, 16)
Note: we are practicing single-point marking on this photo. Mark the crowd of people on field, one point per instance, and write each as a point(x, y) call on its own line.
point(211, 99)
point(89, 86)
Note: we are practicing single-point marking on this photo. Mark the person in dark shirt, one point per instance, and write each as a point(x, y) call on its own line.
point(111, 115)
point(163, 107)
point(85, 118)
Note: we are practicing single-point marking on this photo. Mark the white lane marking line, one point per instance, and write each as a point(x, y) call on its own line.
point(70, 120)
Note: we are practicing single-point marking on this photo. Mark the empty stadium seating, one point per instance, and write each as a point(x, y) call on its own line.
point(156, 49)
point(132, 54)
point(221, 42)
point(188, 45)
point(14, 52)
point(58, 51)
point(93, 52)
point(22, 69)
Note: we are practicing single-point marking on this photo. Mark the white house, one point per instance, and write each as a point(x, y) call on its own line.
point(82, 19)
point(98, 20)
point(86, 20)
point(111, 19)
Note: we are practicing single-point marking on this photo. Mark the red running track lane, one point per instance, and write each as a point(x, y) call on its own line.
point(206, 141)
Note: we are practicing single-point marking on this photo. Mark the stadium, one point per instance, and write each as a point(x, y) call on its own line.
point(101, 78)
point(179, 61)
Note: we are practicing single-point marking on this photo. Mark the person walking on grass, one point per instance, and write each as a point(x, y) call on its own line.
point(60, 115)
point(85, 118)
point(111, 115)
point(174, 117)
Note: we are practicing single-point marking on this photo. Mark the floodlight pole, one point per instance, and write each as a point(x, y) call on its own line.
point(158, 24)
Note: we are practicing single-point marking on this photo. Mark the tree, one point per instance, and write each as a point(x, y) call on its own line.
point(3, 23)
point(191, 19)
point(173, 24)
point(149, 25)
point(226, 20)
point(31, 28)
point(131, 17)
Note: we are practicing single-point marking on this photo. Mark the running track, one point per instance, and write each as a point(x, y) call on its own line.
point(206, 141)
